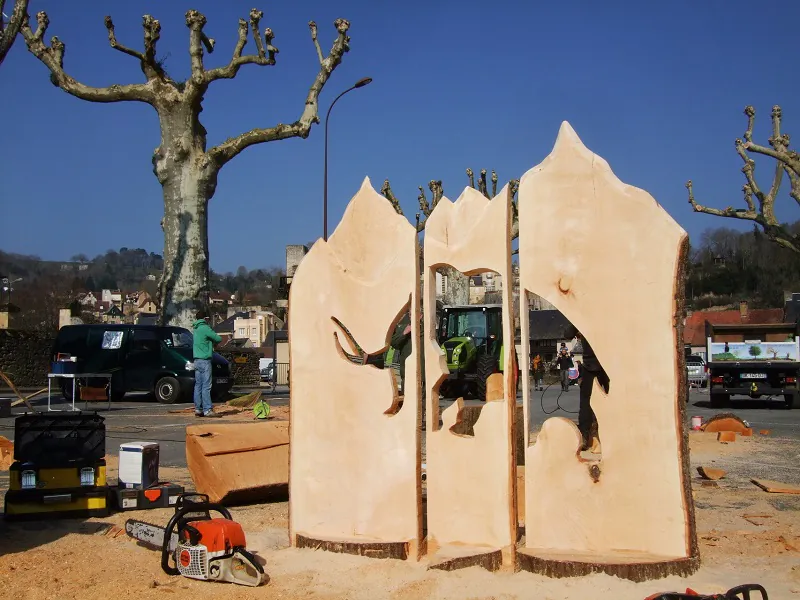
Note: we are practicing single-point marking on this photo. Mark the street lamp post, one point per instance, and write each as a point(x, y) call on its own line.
point(7, 283)
point(359, 84)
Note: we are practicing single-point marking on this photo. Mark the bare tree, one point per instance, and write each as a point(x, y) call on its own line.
point(186, 169)
point(9, 31)
point(786, 160)
point(457, 283)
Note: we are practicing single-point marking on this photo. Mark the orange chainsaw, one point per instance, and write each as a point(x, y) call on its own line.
point(200, 547)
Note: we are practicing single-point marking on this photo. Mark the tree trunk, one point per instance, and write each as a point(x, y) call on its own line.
point(457, 291)
point(188, 179)
point(185, 225)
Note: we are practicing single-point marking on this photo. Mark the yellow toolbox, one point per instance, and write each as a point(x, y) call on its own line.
point(59, 469)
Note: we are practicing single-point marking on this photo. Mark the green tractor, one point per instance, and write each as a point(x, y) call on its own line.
point(472, 339)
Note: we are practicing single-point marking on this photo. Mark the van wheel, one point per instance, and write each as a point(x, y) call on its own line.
point(167, 390)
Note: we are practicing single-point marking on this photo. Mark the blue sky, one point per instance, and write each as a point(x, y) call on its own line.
point(656, 88)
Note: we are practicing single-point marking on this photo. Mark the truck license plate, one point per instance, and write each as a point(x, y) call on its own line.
point(222, 380)
point(753, 375)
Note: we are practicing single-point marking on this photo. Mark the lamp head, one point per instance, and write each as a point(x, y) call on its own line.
point(362, 82)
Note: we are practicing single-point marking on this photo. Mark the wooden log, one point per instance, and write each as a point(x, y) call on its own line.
point(724, 422)
point(625, 251)
point(776, 487)
point(6, 453)
point(237, 463)
point(710, 473)
point(355, 452)
point(471, 480)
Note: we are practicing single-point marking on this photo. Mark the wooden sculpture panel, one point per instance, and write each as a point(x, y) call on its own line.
point(470, 479)
point(354, 465)
point(611, 260)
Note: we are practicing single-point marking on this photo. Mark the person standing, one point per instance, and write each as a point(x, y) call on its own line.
point(203, 350)
point(564, 363)
point(537, 366)
point(591, 370)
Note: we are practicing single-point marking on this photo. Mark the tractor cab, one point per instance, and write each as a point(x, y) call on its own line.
point(472, 340)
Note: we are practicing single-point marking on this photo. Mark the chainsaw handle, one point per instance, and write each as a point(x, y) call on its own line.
point(181, 509)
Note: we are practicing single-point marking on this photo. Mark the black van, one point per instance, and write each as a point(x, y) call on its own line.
point(141, 358)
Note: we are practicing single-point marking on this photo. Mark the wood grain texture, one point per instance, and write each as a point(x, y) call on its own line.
point(471, 481)
point(631, 567)
point(355, 470)
point(396, 550)
point(613, 257)
point(237, 463)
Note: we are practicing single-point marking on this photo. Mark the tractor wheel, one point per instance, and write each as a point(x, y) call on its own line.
point(487, 364)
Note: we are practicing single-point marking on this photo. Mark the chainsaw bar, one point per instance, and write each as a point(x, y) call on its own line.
point(149, 534)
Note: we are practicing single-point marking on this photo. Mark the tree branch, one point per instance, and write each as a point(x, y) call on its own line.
point(387, 192)
point(786, 160)
point(775, 231)
point(263, 58)
point(53, 58)
point(482, 187)
point(147, 59)
point(9, 31)
point(424, 207)
point(437, 192)
point(195, 21)
point(313, 27)
point(471, 177)
point(302, 127)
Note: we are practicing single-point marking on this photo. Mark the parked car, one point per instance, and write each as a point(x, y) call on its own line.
point(696, 370)
point(141, 358)
point(266, 366)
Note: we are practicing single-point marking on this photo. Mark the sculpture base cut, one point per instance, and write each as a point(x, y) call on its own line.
point(452, 558)
point(398, 550)
point(633, 566)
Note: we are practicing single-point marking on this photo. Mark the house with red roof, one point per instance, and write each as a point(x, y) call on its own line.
point(694, 331)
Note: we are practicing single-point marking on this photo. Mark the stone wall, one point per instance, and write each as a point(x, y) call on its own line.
point(294, 255)
point(25, 357)
point(244, 365)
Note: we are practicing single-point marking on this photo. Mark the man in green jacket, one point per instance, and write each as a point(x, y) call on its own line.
point(203, 349)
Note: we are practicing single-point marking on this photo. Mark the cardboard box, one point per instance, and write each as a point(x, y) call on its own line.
point(138, 465)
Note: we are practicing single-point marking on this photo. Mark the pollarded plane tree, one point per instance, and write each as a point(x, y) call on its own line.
point(9, 29)
point(457, 284)
point(761, 204)
point(186, 169)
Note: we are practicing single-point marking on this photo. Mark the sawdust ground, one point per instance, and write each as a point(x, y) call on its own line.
point(84, 560)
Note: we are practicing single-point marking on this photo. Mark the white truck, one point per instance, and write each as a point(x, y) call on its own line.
point(753, 360)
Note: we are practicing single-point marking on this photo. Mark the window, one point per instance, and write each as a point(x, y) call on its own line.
point(145, 340)
point(241, 331)
point(177, 338)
